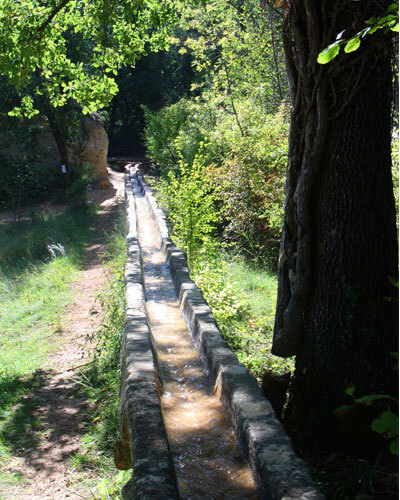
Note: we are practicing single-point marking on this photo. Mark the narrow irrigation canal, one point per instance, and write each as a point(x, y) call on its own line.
point(207, 459)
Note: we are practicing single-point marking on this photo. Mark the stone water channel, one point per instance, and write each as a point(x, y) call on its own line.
point(175, 434)
point(207, 459)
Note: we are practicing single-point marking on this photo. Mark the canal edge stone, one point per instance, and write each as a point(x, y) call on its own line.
point(144, 445)
point(280, 474)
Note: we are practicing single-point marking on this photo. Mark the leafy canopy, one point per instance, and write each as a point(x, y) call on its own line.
point(72, 49)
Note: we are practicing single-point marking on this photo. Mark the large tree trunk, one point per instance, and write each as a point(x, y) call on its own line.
point(336, 310)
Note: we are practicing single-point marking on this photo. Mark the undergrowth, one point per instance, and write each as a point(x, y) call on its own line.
point(31, 241)
point(242, 297)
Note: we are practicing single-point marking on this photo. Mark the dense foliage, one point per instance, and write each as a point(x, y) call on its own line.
point(246, 170)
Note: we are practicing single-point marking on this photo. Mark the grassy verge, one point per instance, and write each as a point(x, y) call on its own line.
point(39, 258)
point(242, 297)
point(101, 379)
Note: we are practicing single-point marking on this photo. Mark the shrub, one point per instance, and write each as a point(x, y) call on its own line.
point(251, 179)
point(243, 157)
point(190, 202)
point(23, 182)
point(178, 132)
point(81, 181)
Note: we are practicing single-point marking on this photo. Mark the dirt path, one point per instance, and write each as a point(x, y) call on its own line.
point(59, 408)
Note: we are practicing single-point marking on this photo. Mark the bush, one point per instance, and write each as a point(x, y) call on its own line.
point(24, 182)
point(243, 157)
point(81, 180)
point(190, 203)
point(178, 132)
point(251, 179)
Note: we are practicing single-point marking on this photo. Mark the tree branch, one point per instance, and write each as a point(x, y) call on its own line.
point(51, 17)
point(271, 6)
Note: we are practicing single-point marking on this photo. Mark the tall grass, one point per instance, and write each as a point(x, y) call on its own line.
point(25, 243)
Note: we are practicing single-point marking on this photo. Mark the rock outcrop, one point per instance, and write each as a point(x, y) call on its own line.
point(95, 147)
point(91, 147)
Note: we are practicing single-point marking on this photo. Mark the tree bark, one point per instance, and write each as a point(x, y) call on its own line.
point(336, 306)
point(62, 147)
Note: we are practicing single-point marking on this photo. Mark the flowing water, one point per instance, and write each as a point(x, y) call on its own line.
point(207, 459)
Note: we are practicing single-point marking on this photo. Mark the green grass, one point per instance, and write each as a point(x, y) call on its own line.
point(34, 291)
point(258, 285)
point(242, 297)
point(27, 242)
point(31, 306)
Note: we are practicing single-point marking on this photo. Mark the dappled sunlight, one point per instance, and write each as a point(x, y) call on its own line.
point(35, 419)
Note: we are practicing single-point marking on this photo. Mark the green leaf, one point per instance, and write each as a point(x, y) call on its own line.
point(394, 446)
point(393, 8)
point(374, 28)
point(350, 390)
point(367, 400)
point(395, 28)
point(386, 422)
point(329, 53)
point(352, 45)
point(343, 409)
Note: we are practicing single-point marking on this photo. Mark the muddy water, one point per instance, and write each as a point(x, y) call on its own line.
point(206, 455)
